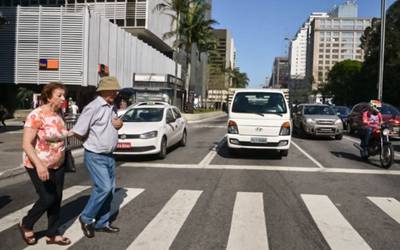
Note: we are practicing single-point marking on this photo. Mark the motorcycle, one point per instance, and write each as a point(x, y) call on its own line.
point(379, 144)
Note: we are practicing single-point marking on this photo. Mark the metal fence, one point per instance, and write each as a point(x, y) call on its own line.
point(72, 142)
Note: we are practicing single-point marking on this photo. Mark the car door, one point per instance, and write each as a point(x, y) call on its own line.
point(180, 121)
point(171, 127)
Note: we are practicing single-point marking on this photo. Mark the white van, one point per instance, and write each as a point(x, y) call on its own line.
point(259, 119)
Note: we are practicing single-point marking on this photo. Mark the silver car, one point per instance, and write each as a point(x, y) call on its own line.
point(317, 120)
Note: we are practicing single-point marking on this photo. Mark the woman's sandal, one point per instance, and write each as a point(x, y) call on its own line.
point(29, 240)
point(63, 242)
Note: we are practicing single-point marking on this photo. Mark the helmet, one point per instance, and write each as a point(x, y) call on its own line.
point(376, 105)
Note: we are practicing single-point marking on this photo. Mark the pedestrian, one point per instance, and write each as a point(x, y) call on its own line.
point(43, 145)
point(98, 125)
point(3, 115)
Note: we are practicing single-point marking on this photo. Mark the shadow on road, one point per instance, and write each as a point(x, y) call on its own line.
point(249, 154)
point(4, 200)
point(357, 157)
point(10, 128)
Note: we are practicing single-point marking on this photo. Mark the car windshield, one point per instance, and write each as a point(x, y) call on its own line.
point(342, 110)
point(389, 110)
point(143, 115)
point(318, 110)
point(259, 102)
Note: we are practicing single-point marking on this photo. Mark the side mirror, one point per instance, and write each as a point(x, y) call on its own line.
point(171, 120)
point(338, 114)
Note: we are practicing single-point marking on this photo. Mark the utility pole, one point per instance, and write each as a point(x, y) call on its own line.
point(382, 49)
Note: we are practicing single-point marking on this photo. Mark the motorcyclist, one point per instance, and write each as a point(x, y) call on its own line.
point(372, 119)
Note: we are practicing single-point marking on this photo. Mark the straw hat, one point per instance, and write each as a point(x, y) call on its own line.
point(108, 83)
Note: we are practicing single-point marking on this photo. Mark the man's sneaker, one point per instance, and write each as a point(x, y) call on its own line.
point(108, 229)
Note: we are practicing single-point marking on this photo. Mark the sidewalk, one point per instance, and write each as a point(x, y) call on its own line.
point(11, 144)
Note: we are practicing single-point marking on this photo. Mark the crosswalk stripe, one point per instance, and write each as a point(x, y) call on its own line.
point(162, 230)
point(15, 217)
point(336, 230)
point(75, 233)
point(248, 228)
point(389, 205)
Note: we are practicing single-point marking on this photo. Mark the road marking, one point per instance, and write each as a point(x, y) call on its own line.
point(264, 168)
point(389, 205)
point(248, 228)
point(74, 231)
point(15, 217)
point(308, 156)
point(337, 231)
point(358, 141)
point(211, 155)
point(162, 230)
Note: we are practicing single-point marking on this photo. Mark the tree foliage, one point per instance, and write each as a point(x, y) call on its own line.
point(351, 82)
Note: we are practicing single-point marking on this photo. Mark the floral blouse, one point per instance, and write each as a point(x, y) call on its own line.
point(49, 143)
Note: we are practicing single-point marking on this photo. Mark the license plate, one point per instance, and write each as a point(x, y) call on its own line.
point(124, 145)
point(258, 140)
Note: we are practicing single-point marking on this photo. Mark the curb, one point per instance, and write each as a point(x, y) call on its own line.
point(21, 169)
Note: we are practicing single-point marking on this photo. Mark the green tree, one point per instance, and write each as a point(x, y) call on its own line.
point(342, 81)
point(370, 43)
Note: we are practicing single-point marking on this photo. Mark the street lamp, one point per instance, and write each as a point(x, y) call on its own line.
point(382, 49)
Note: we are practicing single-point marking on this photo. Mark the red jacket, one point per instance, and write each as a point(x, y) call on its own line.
point(370, 120)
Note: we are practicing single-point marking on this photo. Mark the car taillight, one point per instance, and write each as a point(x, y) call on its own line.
point(285, 129)
point(232, 127)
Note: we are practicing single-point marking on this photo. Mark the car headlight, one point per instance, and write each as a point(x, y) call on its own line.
point(386, 132)
point(338, 121)
point(148, 135)
point(310, 121)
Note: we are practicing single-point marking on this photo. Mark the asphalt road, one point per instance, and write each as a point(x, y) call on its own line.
point(322, 196)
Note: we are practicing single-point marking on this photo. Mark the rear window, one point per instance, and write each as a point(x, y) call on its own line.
point(143, 115)
point(318, 110)
point(259, 102)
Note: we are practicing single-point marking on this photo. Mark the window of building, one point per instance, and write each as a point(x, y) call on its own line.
point(71, 1)
point(327, 56)
point(42, 2)
point(112, 20)
point(16, 2)
point(335, 34)
point(321, 56)
point(320, 67)
point(335, 39)
point(130, 22)
point(358, 57)
point(36, 2)
point(120, 22)
point(322, 39)
point(328, 51)
point(335, 56)
point(90, 1)
point(328, 39)
point(335, 51)
point(320, 62)
point(335, 45)
point(24, 2)
point(141, 22)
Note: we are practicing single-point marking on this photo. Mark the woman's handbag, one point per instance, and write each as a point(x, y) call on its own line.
point(69, 162)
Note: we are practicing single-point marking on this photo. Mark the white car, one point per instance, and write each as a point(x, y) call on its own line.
point(150, 128)
point(259, 119)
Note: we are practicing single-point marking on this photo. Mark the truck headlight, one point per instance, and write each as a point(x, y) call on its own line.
point(232, 127)
point(338, 121)
point(148, 135)
point(285, 129)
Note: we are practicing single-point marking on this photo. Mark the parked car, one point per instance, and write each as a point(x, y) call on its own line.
point(343, 112)
point(259, 119)
point(318, 120)
point(390, 115)
point(150, 128)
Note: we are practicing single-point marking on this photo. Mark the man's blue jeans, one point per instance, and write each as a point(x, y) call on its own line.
point(101, 168)
point(367, 132)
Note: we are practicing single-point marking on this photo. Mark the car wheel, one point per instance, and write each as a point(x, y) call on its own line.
point(163, 149)
point(339, 136)
point(285, 153)
point(182, 142)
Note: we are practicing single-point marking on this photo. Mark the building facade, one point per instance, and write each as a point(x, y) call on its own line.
point(335, 39)
point(280, 73)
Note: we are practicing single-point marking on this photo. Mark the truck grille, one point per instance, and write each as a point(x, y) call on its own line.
point(325, 122)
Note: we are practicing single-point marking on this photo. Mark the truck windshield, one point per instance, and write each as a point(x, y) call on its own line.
point(259, 103)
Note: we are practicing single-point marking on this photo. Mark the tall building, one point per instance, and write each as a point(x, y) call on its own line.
point(298, 48)
point(280, 73)
point(224, 58)
point(334, 39)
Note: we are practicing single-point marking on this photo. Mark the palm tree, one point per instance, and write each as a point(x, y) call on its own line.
point(236, 78)
point(190, 26)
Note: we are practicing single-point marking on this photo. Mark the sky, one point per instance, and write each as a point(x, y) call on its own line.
point(259, 27)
